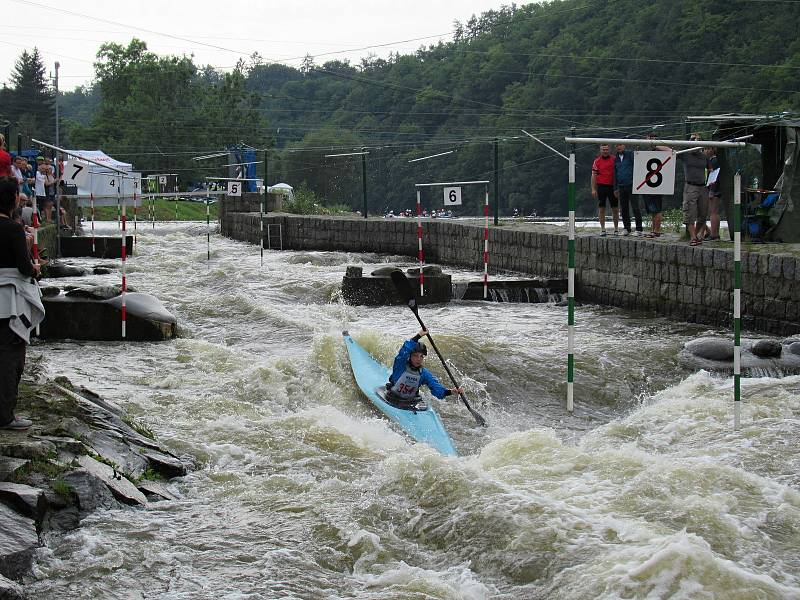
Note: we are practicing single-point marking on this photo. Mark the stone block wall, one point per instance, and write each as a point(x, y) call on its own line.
point(674, 280)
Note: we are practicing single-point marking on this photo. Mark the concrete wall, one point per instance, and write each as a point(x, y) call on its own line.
point(671, 279)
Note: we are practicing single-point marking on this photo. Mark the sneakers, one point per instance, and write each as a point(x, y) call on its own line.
point(616, 232)
point(603, 233)
point(18, 424)
point(625, 233)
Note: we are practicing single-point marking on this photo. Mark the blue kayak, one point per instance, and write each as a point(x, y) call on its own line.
point(423, 425)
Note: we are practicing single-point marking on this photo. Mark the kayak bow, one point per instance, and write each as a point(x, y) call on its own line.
point(371, 376)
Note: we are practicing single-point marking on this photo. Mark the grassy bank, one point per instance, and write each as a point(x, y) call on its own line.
point(166, 210)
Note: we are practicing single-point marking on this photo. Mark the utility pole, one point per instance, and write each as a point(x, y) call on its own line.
point(364, 179)
point(496, 181)
point(56, 82)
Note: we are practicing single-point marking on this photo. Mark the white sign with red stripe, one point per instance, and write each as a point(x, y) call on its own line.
point(654, 172)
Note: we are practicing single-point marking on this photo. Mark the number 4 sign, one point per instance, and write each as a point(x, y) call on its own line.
point(654, 172)
point(234, 188)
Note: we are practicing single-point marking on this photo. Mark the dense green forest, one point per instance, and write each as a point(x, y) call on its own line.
point(602, 67)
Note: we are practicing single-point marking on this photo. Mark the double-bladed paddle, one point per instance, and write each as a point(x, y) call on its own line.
point(407, 293)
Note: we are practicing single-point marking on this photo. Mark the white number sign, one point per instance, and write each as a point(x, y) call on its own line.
point(654, 172)
point(76, 172)
point(234, 188)
point(452, 196)
point(162, 180)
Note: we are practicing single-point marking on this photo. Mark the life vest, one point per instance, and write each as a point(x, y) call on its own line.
point(407, 385)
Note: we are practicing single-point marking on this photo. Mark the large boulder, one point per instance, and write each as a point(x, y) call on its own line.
point(767, 349)
point(24, 499)
point(711, 348)
point(10, 590)
point(18, 542)
point(120, 486)
point(90, 491)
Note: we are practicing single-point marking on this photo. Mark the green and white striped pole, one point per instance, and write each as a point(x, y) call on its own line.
point(737, 298)
point(208, 230)
point(571, 285)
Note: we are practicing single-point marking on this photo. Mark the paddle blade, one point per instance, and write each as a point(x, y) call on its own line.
point(403, 286)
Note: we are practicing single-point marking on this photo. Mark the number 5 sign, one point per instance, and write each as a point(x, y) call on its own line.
point(452, 196)
point(654, 172)
point(76, 173)
point(234, 188)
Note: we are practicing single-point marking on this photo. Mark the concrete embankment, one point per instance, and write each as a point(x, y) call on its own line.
point(665, 276)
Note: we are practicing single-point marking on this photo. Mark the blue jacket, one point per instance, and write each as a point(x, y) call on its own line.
point(427, 378)
point(623, 169)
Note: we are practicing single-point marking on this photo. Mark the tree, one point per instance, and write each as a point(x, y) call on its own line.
point(30, 101)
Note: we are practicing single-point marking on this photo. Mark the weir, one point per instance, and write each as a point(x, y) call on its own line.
point(662, 277)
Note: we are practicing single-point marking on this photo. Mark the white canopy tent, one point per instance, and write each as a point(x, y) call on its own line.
point(100, 182)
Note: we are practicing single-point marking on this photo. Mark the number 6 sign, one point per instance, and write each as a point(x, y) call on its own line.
point(234, 188)
point(452, 196)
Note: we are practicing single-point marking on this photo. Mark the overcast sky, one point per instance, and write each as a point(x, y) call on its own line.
point(219, 33)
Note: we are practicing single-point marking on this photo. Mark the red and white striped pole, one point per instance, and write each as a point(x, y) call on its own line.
point(91, 203)
point(123, 252)
point(35, 218)
point(420, 255)
point(486, 246)
point(135, 215)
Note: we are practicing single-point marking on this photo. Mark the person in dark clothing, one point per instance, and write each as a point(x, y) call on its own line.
point(623, 189)
point(16, 271)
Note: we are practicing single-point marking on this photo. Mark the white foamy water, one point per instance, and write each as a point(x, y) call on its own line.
point(301, 490)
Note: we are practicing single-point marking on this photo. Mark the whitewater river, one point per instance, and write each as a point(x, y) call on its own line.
point(300, 490)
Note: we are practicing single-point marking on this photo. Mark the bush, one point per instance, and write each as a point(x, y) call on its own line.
point(306, 202)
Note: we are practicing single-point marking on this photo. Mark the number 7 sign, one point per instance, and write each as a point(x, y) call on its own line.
point(76, 172)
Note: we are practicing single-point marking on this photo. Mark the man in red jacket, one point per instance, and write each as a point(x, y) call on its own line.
point(603, 187)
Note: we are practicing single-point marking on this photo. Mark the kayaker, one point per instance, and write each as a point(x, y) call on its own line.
point(408, 375)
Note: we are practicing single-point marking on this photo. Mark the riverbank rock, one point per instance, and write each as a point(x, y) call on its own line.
point(759, 358)
point(18, 542)
point(10, 590)
point(767, 348)
point(711, 348)
point(82, 454)
point(26, 500)
point(61, 269)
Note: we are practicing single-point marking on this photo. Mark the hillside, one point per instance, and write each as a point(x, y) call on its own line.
point(603, 67)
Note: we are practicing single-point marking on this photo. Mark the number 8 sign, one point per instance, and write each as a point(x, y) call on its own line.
point(234, 188)
point(654, 173)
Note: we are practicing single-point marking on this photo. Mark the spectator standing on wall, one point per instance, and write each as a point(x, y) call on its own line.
point(695, 193)
point(623, 189)
point(603, 187)
point(714, 192)
point(654, 203)
point(43, 179)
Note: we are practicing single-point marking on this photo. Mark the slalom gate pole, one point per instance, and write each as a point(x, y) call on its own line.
point(261, 228)
point(486, 245)
point(737, 298)
point(135, 215)
point(119, 208)
point(176, 208)
point(420, 255)
point(35, 218)
point(208, 231)
point(571, 285)
point(153, 210)
point(123, 251)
